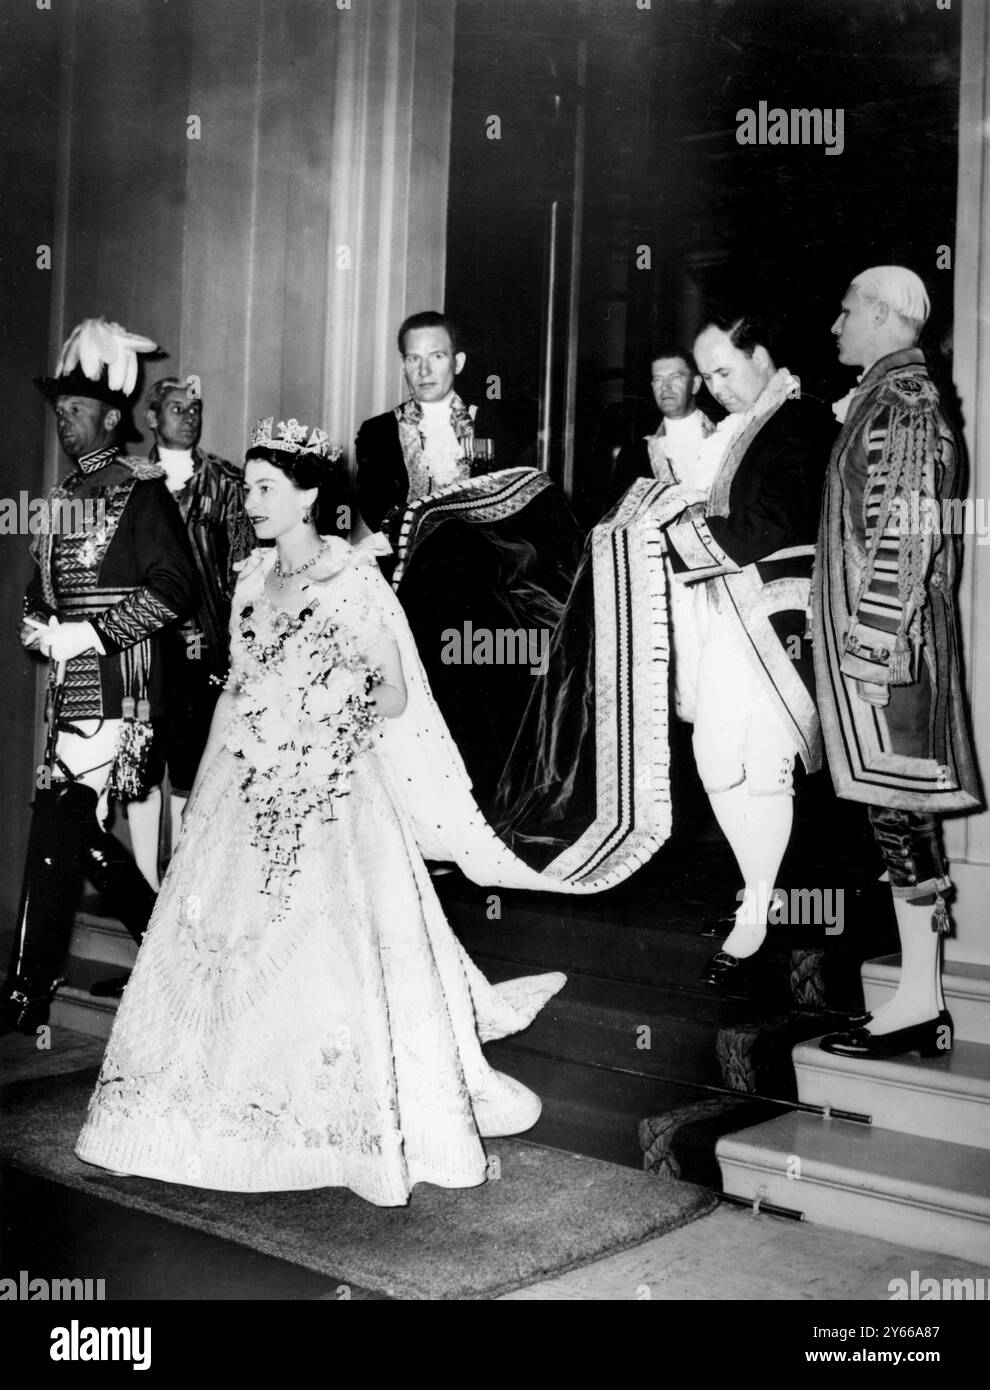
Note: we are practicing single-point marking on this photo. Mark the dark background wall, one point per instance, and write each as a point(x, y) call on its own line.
point(29, 116)
point(782, 227)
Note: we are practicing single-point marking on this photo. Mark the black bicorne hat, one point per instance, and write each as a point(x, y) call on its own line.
point(77, 383)
point(98, 360)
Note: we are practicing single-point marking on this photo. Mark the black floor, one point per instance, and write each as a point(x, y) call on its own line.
point(55, 1232)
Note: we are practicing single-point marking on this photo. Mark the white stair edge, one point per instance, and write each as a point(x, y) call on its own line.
point(966, 985)
point(850, 1171)
point(102, 939)
point(937, 1098)
point(834, 1192)
point(82, 1012)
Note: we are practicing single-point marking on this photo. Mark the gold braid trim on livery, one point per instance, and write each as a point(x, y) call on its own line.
point(910, 442)
point(143, 469)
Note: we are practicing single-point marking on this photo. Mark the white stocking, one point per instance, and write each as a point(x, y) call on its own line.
point(144, 819)
point(757, 829)
point(918, 996)
point(177, 805)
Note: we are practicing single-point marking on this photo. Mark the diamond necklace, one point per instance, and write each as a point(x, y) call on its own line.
point(281, 575)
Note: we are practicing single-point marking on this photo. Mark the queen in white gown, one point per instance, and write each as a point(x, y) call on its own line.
point(300, 1014)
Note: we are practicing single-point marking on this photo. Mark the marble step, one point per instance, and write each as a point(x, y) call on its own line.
point(913, 1191)
point(966, 986)
point(102, 939)
point(74, 1007)
point(77, 1010)
point(931, 1097)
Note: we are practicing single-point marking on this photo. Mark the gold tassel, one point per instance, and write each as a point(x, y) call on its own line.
point(128, 774)
point(900, 662)
point(940, 917)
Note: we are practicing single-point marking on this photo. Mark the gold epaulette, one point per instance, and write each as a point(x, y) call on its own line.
point(909, 391)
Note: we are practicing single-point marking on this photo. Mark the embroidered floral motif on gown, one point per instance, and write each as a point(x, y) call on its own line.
point(330, 1036)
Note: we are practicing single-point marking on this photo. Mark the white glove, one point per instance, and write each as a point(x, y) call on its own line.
point(67, 640)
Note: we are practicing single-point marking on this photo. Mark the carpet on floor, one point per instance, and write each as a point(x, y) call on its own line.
point(547, 1213)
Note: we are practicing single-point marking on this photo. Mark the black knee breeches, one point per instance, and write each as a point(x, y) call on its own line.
point(912, 853)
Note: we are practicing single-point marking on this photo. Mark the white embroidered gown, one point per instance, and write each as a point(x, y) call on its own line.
point(330, 1036)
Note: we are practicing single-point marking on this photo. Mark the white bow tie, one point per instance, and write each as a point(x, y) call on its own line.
point(179, 467)
point(840, 408)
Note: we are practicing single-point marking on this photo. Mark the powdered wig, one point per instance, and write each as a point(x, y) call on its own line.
point(161, 389)
point(900, 289)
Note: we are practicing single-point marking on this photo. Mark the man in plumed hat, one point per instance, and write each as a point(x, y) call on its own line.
point(886, 639)
point(102, 593)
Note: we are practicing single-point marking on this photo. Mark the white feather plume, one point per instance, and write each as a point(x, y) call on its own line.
point(95, 343)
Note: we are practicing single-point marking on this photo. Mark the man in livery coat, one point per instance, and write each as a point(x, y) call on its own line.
point(484, 553)
point(102, 593)
point(886, 640)
point(209, 493)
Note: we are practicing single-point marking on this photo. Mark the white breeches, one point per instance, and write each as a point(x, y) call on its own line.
point(688, 619)
point(739, 736)
point(89, 759)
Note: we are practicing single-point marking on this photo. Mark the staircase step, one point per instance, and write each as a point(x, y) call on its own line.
point(966, 986)
point(589, 1110)
point(77, 1009)
point(659, 1032)
point(102, 939)
point(877, 1182)
point(542, 933)
point(680, 1141)
point(653, 935)
point(74, 1007)
point(930, 1097)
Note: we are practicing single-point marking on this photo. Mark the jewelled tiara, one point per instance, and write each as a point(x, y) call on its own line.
point(293, 438)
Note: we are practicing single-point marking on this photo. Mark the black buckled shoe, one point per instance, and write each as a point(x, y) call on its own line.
point(19, 1014)
point(933, 1038)
point(725, 971)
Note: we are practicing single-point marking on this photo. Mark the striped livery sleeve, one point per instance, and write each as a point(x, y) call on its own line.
point(880, 614)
